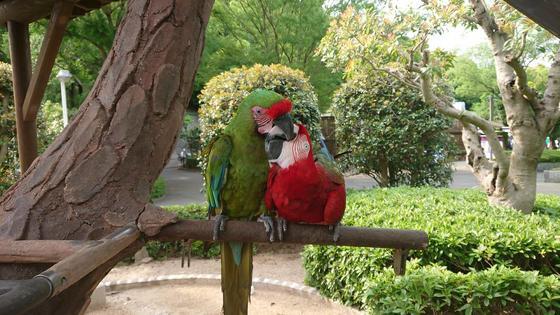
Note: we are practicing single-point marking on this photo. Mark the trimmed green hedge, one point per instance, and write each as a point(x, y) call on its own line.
point(548, 156)
point(466, 235)
point(434, 289)
point(163, 250)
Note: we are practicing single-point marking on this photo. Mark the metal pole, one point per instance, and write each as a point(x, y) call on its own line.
point(64, 107)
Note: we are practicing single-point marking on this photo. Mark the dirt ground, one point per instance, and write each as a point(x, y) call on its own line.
point(205, 298)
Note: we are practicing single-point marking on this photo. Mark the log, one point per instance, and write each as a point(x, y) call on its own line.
point(250, 231)
point(46, 251)
point(72, 269)
point(25, 295)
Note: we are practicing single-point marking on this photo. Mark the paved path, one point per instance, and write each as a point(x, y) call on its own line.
point(184, 186)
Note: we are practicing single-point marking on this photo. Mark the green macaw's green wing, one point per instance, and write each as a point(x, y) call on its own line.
point(216, 171)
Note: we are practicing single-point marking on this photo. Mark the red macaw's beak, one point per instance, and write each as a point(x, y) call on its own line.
point(283, 126)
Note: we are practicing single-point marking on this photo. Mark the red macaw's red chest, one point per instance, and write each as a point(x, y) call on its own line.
point(300, 193)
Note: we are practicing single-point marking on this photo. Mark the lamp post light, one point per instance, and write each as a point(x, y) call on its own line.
point(64, 76)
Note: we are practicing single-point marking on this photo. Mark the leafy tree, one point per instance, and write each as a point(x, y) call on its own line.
point(473, 78)
point(247, 32)
point(85, 46)
point(392, 42)
point(393, 136)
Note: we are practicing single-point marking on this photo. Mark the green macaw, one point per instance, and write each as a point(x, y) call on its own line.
point(236, 178)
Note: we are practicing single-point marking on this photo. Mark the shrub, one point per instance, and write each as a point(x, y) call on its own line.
point(434, 289)
point(393, 136)
point(162, 250)
point(9, 164)
point(548, 156)
point(222, 95)
point(465, 234)
point(158, 189)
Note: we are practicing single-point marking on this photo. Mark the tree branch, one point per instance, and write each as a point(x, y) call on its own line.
point(465, 117)
point(552, 92)
point(527, 92)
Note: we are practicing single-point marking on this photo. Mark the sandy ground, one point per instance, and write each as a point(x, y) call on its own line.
point(281, 263)
point(206, 299)
point(269, 262)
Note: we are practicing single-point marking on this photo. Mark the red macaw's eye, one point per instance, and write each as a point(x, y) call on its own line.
point(301, 148)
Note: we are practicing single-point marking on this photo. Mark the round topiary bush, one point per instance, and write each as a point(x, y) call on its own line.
point(222, 95)
point(393, 136)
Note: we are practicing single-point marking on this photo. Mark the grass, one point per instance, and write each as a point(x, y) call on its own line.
point(548, 156)
point(158, 189)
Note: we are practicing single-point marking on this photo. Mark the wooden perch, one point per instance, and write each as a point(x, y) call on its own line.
point(250, 231)
point(86, 256)
point(52, 251)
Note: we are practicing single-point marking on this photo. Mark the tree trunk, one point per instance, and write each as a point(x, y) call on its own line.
point(384, 180)
point(96, 176)
point(508, 181)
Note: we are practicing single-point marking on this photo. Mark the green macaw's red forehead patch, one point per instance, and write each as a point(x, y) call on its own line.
point(280, 108)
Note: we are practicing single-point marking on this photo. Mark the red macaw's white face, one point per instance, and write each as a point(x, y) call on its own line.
point(293, 151)
point(262, 119)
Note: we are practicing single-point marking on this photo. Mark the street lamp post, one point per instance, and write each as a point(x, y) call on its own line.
point(64, 76)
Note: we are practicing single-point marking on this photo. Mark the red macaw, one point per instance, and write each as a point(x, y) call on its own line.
point(300, 188)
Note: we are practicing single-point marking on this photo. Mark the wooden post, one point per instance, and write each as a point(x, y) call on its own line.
point(399, 261)
point(21, 74)
point(61, 14)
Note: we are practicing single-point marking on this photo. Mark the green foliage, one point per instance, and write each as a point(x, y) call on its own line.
point(465, 235)
point(548, 156)
point(87, 42)
point(158, 189)
point(394, 136)
point(434, 289)
point(223, 94)
point(163, 250)
point(246, 32)
point(49, 124)
point(9, 165)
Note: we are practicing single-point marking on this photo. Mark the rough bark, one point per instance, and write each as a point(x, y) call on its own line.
point(509, 181)
point(97, 174)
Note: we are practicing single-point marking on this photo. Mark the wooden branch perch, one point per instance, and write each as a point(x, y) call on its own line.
point(52, 251)
point(250, 231)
